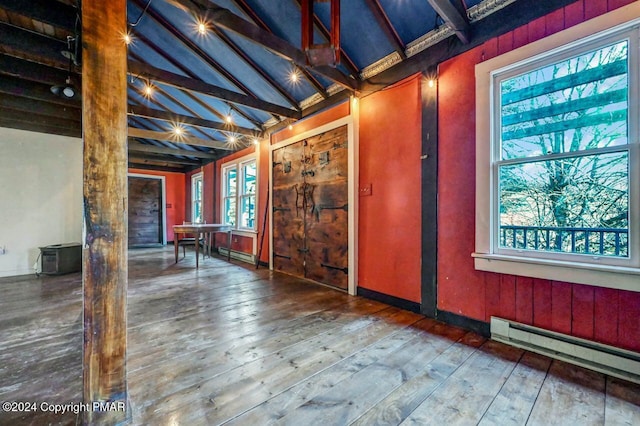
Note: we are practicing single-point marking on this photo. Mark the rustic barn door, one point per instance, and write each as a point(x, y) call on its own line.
point(145, 211)
point(310, 208)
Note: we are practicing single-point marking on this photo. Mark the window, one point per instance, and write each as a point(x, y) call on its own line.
point(196, 198)
point(557, 164)
point(239, 185)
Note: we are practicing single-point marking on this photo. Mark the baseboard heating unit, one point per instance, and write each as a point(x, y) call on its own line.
point(238, 255)
point(585, 353)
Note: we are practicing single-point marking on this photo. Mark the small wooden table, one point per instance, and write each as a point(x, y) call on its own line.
point(207, 229)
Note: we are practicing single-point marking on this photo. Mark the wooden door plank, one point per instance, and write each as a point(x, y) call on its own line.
point(514, 402)
point(570, 395)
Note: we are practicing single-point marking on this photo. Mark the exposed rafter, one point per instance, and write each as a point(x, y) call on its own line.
point(171, 137)
point(387, 27)
point(242, 4)
point(199, 52)
point(454, 19)
point(141, 111)
point(61, 16)
point(138, 147)
point(176, 80)
point(224, 18)
point(189, 73)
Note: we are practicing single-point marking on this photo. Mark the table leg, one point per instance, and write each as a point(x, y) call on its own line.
point(175, 245)
point(197, 247)
point(228, 246)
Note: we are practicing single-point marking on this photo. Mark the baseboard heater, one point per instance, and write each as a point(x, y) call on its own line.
point(238, 255)
point(585, 353)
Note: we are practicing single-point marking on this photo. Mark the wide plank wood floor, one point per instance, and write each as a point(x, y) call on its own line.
point(228, 344)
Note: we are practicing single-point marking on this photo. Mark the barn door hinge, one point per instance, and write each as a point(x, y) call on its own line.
point(345, 270)
point(344, 207)
point(304, 250)
point(308, 173)
point(282, 256)
point(281, 209)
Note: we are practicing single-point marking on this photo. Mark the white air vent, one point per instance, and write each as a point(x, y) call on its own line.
point(585, 353)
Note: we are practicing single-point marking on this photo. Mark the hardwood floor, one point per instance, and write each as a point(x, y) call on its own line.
point(231, 344)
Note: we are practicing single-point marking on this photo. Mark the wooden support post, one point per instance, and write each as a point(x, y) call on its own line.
point(104, 85)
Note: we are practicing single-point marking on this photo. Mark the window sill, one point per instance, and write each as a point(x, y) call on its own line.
point(617, 277)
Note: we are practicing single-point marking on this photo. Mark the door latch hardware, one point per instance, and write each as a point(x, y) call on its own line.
point(345, 270)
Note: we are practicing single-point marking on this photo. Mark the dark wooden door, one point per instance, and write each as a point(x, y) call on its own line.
point(145, 211)
point(310, 208)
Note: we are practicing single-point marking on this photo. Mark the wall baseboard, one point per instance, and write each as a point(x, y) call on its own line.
point(480, 327)
point(389, 300)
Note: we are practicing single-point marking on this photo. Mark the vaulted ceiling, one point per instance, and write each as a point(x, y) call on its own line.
point(228, 72)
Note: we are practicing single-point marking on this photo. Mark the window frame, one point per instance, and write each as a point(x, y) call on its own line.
point(239, 165)
point(579, 268)
point(195, 178)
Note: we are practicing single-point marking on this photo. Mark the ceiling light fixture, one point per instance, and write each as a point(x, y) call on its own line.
point(148, 90)
point(232, 139)
point(178, 130)
point(127, 39)
point(256, 141)
point(66, 90)
point(228, 119)
point(202, 28)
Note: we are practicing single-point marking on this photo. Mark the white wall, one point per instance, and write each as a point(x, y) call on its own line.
point(40, 196)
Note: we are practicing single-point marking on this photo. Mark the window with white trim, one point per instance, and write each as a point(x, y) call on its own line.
point(239, 184)
point(558, 162)
point(196, 198)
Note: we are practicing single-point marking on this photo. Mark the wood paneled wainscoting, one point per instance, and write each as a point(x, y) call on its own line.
point(230, 344)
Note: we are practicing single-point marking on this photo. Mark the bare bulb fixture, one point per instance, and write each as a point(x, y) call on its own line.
point(228, 119)
point(232, 139)
point(202, 28)
point(431, 82)
point(148, 90)
point(178, 131)
point(127, 39)
point(256, 142)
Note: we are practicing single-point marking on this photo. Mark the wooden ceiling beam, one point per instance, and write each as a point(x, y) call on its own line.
point(32, 71)
point(40, 119)
point(141, 111)
point(14, 86)
point(227, 20)
point(29, 45)
point(454, 19)
point(147, 166)
point(171, 137)
point(500, 22)
point(139, 147)
point(345, 59)
point(39, 127)
point(387, 27)
point(57, 14)
point(30, 106)
point(186, 70)
point(199, 52)
point(181, 82)
point(133, 157)
point(242, 4)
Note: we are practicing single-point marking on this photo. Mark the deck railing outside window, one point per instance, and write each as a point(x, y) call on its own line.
point(596, 241)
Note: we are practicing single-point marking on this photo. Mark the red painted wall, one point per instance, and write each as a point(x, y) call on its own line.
point(175, 202)
point(605, 315)
point(389, 246)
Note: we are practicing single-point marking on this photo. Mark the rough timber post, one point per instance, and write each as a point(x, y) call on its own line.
point(104, 86)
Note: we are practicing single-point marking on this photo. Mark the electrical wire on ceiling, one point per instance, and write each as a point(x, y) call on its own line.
point(134, 24)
